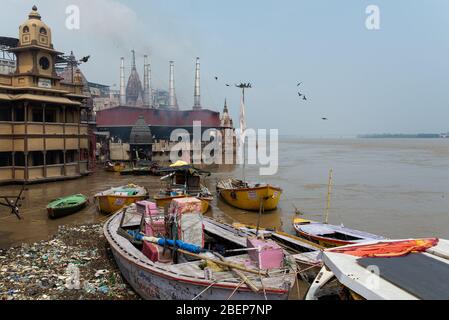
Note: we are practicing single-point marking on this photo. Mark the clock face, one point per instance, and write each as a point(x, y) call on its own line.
point(44, 63)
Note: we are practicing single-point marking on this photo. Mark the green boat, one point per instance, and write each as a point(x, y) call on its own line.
point(66, 205)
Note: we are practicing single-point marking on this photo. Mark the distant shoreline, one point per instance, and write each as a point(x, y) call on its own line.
point(402, 136)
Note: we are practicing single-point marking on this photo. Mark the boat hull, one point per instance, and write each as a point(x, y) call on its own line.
point(319, 236)
point(164, 201)
point(112, 203)
point(322, 241)
point(153, 283)
point(249, 198)
point(55, 213)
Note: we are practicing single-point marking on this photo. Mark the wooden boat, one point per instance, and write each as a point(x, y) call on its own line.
point(328, 235)
point(114, 167)
point(242, 194)
point(143, 168)
point(183, 181)
point(408, 269)
point(127, 172)
point(66, 205)
point(246, 196)
point(116, 198)
point(185, 280)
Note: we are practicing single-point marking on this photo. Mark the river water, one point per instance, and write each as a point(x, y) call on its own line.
point(394, 187)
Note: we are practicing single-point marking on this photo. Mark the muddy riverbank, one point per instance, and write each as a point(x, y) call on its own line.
point(76, 264)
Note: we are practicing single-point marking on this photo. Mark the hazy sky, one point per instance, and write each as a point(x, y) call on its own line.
point(395, 79)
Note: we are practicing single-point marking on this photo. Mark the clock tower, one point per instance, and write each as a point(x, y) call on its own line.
point(36, 56)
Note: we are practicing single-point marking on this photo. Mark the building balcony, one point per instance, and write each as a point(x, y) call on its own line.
point(44, 173)
point(39, 128)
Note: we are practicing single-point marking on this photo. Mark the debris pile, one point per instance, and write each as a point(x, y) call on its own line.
point(75, 264)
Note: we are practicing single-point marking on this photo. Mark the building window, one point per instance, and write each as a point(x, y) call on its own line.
point(54, 157)
point(19, 114)
point(5, 159)
point(19, 159)
point(50, 115)
point(43, 31)
point(5, 113)
point(36, 158)
point(71, 156)
point(37, 115)
point(70, 116)
point(44, 63)
point(26, 29)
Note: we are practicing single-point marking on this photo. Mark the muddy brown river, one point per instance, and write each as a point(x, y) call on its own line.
point(394, 187)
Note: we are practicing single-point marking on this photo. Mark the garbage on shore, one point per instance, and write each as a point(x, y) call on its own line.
point(74, 264)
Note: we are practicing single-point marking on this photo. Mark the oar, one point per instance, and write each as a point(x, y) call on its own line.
point(225, 263)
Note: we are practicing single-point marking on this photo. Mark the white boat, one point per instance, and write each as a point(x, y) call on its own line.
point(410, 269)
point(185, 280)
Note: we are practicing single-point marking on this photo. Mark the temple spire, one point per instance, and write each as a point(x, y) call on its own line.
point(133, 62)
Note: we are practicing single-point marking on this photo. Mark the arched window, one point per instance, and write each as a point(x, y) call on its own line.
point(26, 29)
point(43, 30)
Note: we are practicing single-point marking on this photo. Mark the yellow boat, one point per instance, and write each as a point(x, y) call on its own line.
point(114, 199)
point(184, 180)
point(114, 167)
point(245, 196)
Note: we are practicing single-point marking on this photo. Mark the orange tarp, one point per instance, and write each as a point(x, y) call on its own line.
point(388, 249)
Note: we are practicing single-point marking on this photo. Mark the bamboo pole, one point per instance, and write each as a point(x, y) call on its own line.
point(224, 263)
point(244, 278)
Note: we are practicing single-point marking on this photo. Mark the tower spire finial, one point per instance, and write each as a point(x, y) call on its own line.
point(34, 14)
point(133, 62)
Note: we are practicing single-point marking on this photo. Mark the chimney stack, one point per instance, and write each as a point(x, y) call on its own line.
point(172, 103)
point(196, 93)
point(122, 83)
point(146, 88)
point(150, 90)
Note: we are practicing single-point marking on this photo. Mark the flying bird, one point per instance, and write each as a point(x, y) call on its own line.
point(85, 59)
point(323, 118)
point(304, 98)
point(299, 83)
point(299, 94)
point(227, 85)
point(216, 78)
